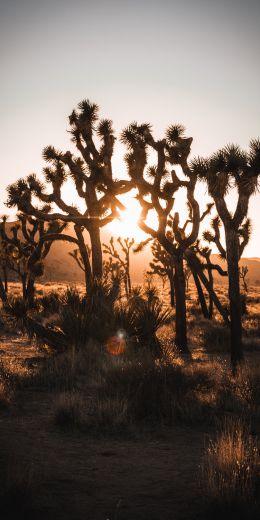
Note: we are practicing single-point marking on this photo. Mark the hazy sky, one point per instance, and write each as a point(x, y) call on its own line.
point(189, 61)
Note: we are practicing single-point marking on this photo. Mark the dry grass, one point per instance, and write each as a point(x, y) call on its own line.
point(230, 471)
point(111, 415)
point(68, 410)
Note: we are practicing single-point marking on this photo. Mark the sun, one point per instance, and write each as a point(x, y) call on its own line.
point(127, 224)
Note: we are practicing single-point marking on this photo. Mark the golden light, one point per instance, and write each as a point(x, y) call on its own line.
point(127, 224)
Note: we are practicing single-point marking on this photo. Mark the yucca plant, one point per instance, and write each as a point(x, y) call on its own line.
point(75, 319)
point(50, 303)
point(149, 316)
point(18, 308)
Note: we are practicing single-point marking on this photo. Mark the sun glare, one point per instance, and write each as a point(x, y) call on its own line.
point(127, 224)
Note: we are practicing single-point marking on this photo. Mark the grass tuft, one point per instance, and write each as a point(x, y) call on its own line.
point(230, 471)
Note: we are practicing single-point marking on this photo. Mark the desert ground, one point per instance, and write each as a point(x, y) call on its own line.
point(91, 435)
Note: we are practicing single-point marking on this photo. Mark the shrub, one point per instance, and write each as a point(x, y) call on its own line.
point(50, 303)
point(68, 413)
point(216, 337)
point(230, 471)
point(160, 393)
point(111, 414)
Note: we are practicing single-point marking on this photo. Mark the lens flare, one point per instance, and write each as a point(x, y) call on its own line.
point(116, 345)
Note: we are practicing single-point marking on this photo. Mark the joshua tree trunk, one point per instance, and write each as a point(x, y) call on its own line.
point(201, 296)
point(97, 267)
point(85, 258)
point(129, 283)
point(180, 305)
point(172, 291)
point(232, 245)
point(126, 285)
point(3, 295)
point(30, 289)
point(214, 297)
point(5, 279)
point(23, 278)
point(195, 266)
point(211, 281)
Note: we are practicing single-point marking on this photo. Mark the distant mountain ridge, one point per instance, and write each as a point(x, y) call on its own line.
point(60, 266)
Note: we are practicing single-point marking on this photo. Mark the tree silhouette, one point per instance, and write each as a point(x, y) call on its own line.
point(162, 264)
point(227, 168)
point(243, 272)
point(92, 175)
point(156, 189)
point(118, 262)
point(4, 261)
point(26, 245)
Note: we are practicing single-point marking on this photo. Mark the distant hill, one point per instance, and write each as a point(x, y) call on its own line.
point(253, 265)
point(60, 266)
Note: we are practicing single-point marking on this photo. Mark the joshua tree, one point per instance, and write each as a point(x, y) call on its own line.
point(162, 264)
point(205, 253)
point(187, 274)
point(93, 179)
point(75, 254)
point(117, 262)
point(26, 245)
point(156, 190)
point(4, 259)
point(227, 168)
point(243, 271)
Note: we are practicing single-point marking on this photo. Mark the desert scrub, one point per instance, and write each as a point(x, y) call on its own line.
point(157, 392)
point(239, 394)
point(111, 415)
point(50, 303)
point(6, 386)
point(230, 471)
point(56, 373)
point(215, 337)
point(68, 410)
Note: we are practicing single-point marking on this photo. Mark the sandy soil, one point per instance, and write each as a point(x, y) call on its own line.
point(139, 477)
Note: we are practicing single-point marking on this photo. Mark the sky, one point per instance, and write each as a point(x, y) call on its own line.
point(194, 62)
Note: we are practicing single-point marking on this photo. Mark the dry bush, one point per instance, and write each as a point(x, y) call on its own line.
point(5, 395)
point(251, 344)
point(215, 337)
point(68, 410)
point(159, 393)
point(111, 414)
point(230, 470)
point(50, 303)
point(62, 372)
point(57, 373)
point(239, 394)
point(6, 387)
point(170, 392)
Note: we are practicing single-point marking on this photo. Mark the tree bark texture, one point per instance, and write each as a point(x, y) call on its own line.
point(232, 245)
point(180, 305)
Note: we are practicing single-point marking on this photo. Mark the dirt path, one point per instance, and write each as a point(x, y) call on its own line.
point(79, 477)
